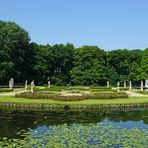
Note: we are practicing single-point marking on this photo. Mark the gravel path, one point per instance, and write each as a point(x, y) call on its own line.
point(134, 94)
point(130, 93)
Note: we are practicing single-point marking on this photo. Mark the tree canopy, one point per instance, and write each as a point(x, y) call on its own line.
point(65, 64)
point(89, 66)
point(14, 51)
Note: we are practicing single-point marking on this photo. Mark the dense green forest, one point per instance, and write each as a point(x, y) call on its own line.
point(23, 60)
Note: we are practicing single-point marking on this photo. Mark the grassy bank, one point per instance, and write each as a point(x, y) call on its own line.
point(20, 101)
point(131, 100)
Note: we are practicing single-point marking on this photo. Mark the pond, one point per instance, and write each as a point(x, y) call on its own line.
point(93, 128)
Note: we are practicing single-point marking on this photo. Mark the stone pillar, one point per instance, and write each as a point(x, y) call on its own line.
point(118, 85)
point(124, 84)
point(107, 84)
point(49, 84)
point(32, 86)
point(141, 85)
point(130, 85)
point(26, 84)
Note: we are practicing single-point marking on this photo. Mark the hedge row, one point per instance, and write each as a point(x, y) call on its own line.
point(142, 92)
point(49, 89)
point(76, 97)
point(78, 88)
point(103, 89)
point(5, 89)
point(100, 87)
point(123, 89)
point(60, 88)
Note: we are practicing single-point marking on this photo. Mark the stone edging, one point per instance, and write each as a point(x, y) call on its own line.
point(69, 107)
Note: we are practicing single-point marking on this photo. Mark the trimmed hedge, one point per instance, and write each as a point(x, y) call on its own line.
point(73, 88)
point(5, 89)
point(60, 88)
point(36, 88)
point(123, 89)
point(142, 92)
point(49, 89)
point(78, 88)
point(103, 89)
point(74, 97)
point(100, 87)
point(111, 95)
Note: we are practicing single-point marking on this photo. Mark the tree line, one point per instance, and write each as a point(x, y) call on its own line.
point(62, 64)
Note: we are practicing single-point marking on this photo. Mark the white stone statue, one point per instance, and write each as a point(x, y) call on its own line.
point(49, 84)
point(146, 83)
point(118, 85)
point(141, 85)
point(11, 83)
point(107, 84)
point(32, 85)
point(130, 85)
point(26, 84)
point(124, 84)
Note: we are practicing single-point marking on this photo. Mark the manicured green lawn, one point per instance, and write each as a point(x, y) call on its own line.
point(130, 100)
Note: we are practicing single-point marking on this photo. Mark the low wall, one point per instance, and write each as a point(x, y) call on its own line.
point(70, 107)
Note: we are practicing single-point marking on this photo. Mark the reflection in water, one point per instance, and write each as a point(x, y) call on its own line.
point(12, 121)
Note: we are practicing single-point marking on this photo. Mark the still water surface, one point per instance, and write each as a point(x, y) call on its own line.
point(95, 128)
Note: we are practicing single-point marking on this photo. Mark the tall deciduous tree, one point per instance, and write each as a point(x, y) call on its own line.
point(89, 66)
point(40, 63)
point(65, 64)
point(14, 51)
point(144, 65)
point(126, 63)
point(61, 57)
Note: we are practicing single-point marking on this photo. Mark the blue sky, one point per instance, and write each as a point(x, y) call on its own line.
point(109, 24)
